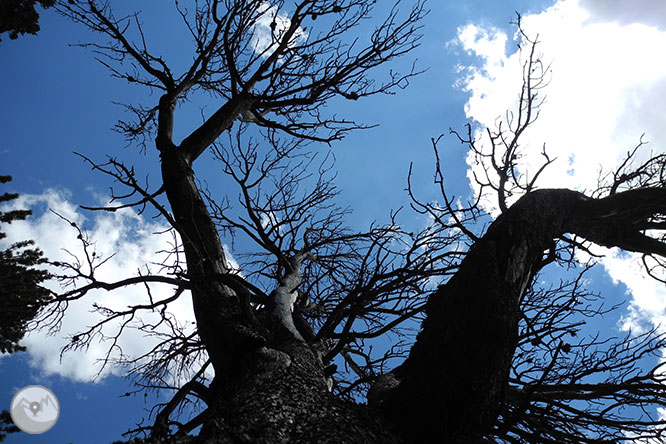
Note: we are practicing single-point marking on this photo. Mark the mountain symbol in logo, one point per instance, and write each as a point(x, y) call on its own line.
point(35, 409)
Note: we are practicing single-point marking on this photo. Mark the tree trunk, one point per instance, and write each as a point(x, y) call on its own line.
point(280, 396)
point(269, 387)
point(225, 332)
point(453, 382)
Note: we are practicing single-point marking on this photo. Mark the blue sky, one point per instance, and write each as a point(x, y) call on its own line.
point(608, 87)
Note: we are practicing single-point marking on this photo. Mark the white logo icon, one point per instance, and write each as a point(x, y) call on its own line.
point(35, 409)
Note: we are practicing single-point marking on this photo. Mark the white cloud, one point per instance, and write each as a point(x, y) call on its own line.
point(607, 87)
point(134, 244)
point(231, 261)
point(602, 95)
point(269, 221)
point(647, 308)
point(270, 27)
point(649, 12)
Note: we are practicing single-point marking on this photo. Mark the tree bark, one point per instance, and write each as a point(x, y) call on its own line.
point(280, 396)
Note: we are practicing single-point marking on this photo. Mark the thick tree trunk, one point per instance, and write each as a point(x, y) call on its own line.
point(453, 382)
point(225, 332)
point(280, 396)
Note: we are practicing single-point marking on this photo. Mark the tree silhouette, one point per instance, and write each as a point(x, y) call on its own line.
point(21, 295)
point(6, 425)
point(291, 333)
point(20, 17)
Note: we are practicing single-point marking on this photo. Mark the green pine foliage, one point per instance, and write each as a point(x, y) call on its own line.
point(21, 295)
point(20, 17)
point(6, 425)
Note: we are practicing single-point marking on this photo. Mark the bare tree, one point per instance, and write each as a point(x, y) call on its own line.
point(291, 334)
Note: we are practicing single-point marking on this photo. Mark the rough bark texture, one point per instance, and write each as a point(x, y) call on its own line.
point(281, 397)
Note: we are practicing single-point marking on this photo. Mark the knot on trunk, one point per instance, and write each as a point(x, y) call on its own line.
point(381, 389)
point(267, 360)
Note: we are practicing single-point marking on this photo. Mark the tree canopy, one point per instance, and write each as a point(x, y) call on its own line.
point(21, 293)
point(19, 17)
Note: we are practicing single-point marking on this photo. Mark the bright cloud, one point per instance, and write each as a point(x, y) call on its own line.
point(134, 243)
point(270, 27)
point(648, 295)
point(649, 12)
point(606, 89)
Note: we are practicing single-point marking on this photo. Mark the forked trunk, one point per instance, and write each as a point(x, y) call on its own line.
point(271, 387)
